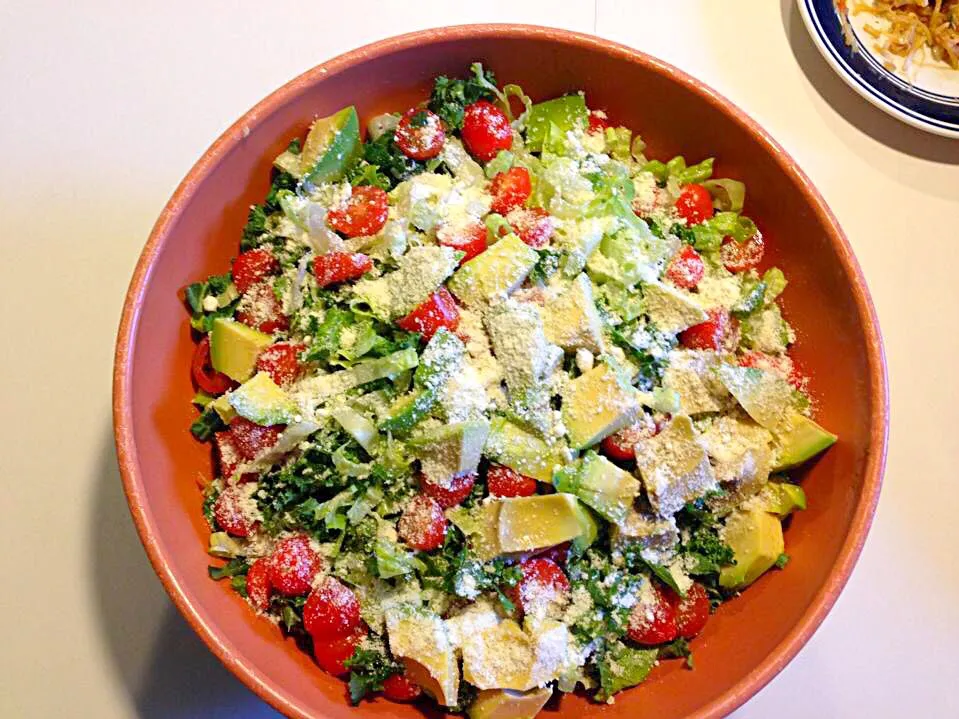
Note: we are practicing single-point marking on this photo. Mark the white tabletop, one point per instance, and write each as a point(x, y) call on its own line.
point(102, 113)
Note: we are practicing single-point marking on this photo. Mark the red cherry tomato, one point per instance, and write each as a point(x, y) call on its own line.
point(207, 378)
point(510, 190)
point(533, 225)
point(260, 310)
point(542, 581)
point(742, 256)
point(252, 267)
point(621, 445)
point(501, 481)
point(336, 267)
point(363, 214)
point(558, 554)
point(439, 310)
point(331, 656)
point(331, 612)
point(423, 524)
point(692, 611)
point(598, 121)
point(250, 439)
point(281, 361)
point(781, 365)
point(293, 565)
point(470, 239)
point(420, 134)
point(400, 688)
point(686, 268)
point(486, 130)
point(460, 487)
point(258, 588)
point(694, 204)
point(713, 334)
point(228, 512)
point(227, 453)
point(653, 622)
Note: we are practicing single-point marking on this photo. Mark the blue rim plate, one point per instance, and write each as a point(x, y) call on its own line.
point(929, 106)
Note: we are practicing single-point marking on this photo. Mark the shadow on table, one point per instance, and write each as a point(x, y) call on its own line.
point(164, 667)
point(844, 100)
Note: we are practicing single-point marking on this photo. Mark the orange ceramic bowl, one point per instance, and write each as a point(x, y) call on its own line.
point(749, 639)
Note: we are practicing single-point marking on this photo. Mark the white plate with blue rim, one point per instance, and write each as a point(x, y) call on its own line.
point(922, 92)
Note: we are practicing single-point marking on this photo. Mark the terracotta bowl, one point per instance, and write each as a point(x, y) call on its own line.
point(751, 638)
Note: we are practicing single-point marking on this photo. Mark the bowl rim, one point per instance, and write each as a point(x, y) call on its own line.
point(822, 601)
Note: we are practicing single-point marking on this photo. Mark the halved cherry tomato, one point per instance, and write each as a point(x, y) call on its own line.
point(331, 656)
point(510, 190)
point(692, 611)
point(251, 267)
point(713, 334)
point(335, 267)
point(261, 310)
point(227, 453)
point(258, 587)
point(621, 445)
point(207, 378)
point(250, 439)
point(598, 121)
point(439, 310)
point(228, 512)
point(694, 204)
point(784, 366)
point(486, 130)
point(364, 213)
point(653, 622)
point(460, 487)
point(501, 481)
point(742, 256)
point(281, 361)
point(420, 134)
point(423, 524)
point(469, 239)
point(293, 565)
point(332, 611)
point(542, 581)
point(686, 268)
point(533, 225)
point(400, 688)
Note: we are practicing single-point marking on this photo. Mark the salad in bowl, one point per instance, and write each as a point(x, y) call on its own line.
point(500, 406)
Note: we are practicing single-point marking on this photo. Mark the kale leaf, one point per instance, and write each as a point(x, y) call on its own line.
point(369, 668)
point(451, 96)
point(208, 423)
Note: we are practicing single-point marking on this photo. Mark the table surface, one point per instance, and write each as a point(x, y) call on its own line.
point(105, 109)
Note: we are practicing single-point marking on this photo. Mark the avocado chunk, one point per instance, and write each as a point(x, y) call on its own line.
point(801, 439)
point(571, 319)
point(690, 375)
point(260, 400)
point(596, 404)
point(588, 528)
point(527, 523)
point(656, 537)
point(756, 538)
point(450, 450)
point(512, 446)
point(442, 358)
point(420, 639)
point(741, 453)
point(234, 348)
point(670, 309)
point(499, 657)
point(565, 113)
point(495, 273)
point(782, 498)
point(508, 704)
point(674, 467)
point(599, 484)
point(417, 275)
point(222, 407)
point(332, 145)
point(765, 396)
